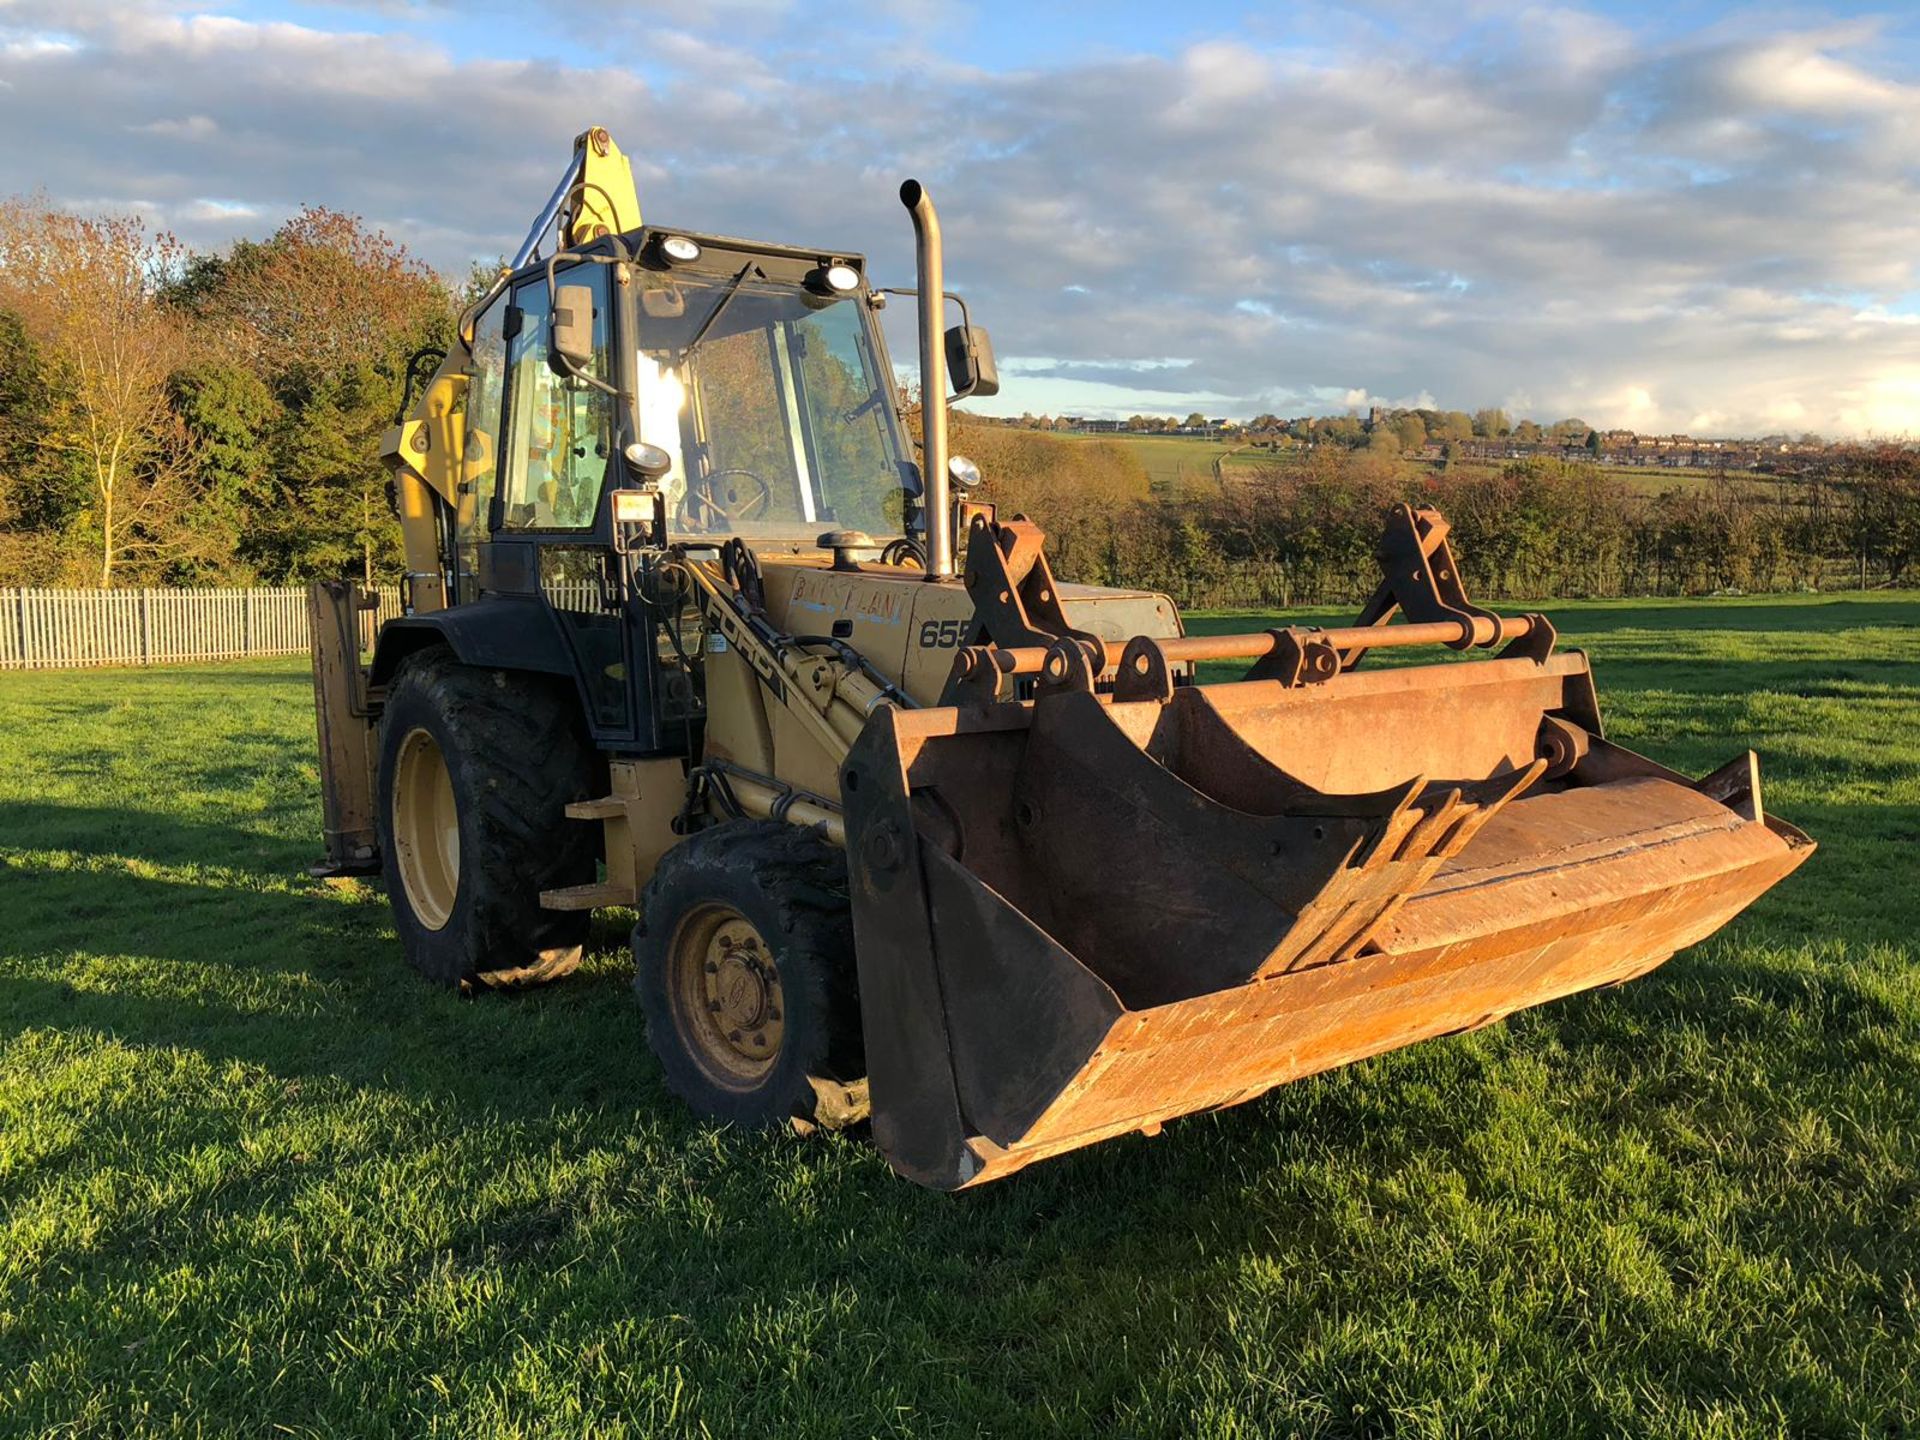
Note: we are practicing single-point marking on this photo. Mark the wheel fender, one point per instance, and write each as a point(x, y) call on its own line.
point(508, 634)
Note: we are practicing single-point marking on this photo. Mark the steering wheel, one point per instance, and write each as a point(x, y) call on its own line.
point(738, 507)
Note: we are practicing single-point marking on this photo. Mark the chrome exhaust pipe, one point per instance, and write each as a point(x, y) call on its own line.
point(935, 502)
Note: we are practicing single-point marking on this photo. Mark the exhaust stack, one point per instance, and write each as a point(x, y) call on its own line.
point(935, 500)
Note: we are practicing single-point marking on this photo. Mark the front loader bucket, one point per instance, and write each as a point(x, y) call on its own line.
point(1078, 917)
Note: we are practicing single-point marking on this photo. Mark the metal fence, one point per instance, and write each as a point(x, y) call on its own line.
point(56, 629)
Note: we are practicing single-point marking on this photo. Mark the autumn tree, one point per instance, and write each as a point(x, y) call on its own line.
point(326, 311)
point(84, 294)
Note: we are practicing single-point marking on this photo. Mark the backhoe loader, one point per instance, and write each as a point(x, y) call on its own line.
point(915, 830)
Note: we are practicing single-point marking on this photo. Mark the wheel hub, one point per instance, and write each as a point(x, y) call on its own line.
point(744, 990)
point(726, 985)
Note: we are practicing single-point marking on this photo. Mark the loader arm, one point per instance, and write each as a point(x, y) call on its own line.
point(825, 685)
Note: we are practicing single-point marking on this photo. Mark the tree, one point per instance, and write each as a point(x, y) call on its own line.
point(231, 416)
point(1196, 421)
point(1528, 430)
point(1593, 442)
point(1491, 424)
point(1410, 433)
point(327, 312)
point(1342, 429)
point(84, 292)
point(323, 292)
point(1453, 425)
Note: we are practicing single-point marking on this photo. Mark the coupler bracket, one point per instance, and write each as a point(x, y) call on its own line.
point(1016, 602)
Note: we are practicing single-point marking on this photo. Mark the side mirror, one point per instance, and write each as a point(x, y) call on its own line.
point(970, 362)
point(570, 329)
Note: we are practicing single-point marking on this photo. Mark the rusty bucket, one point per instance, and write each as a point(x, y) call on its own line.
point(1087, 912)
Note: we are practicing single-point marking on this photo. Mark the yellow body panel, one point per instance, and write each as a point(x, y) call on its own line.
point(907, 628)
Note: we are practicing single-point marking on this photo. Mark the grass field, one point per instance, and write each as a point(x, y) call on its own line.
point(255, 1180)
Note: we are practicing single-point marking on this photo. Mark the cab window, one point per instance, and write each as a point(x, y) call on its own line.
point(560, 428)
point(479, 454)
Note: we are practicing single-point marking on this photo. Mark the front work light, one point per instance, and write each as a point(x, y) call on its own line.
point(835, 279)
point(650, 462)
point(679, 250)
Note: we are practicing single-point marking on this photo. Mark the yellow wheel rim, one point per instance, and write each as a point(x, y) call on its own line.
point(426, 829)
point(724, 982)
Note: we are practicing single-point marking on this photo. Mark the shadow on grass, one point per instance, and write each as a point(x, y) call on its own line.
point(159, 836)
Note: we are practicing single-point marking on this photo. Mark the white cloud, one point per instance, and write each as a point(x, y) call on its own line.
point(1566, 218)
point(193, 127)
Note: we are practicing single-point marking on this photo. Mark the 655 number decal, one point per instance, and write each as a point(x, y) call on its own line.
point(942, 634)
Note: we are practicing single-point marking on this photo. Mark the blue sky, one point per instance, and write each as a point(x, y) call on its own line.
point(1670, 216)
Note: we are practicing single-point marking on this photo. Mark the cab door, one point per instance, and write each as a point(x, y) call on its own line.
point(480, 451)
point(550, 537)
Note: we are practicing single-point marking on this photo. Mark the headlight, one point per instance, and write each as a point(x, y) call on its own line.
point(963, 472)
point(679, 250)
point(649, 461)
point(835, 279)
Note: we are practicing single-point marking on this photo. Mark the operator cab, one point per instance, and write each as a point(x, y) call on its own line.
point(756, 371)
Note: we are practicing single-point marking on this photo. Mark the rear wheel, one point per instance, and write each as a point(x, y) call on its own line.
point(476, 769)
point(743, 961)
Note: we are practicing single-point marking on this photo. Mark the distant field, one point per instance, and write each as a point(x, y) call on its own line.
point(257, 1180)
point(1174, 462)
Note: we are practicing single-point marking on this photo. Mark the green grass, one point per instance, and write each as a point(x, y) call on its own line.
point(255, 1180)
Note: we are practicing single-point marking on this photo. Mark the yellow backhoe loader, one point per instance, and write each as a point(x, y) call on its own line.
point(914, 828)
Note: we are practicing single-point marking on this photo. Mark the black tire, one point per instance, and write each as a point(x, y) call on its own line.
point(515, 755)
point(790, 885)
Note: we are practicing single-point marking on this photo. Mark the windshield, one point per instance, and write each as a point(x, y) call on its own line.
point(771, 403)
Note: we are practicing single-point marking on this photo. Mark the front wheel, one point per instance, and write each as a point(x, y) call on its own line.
point(743, 962)
point(476, 769)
